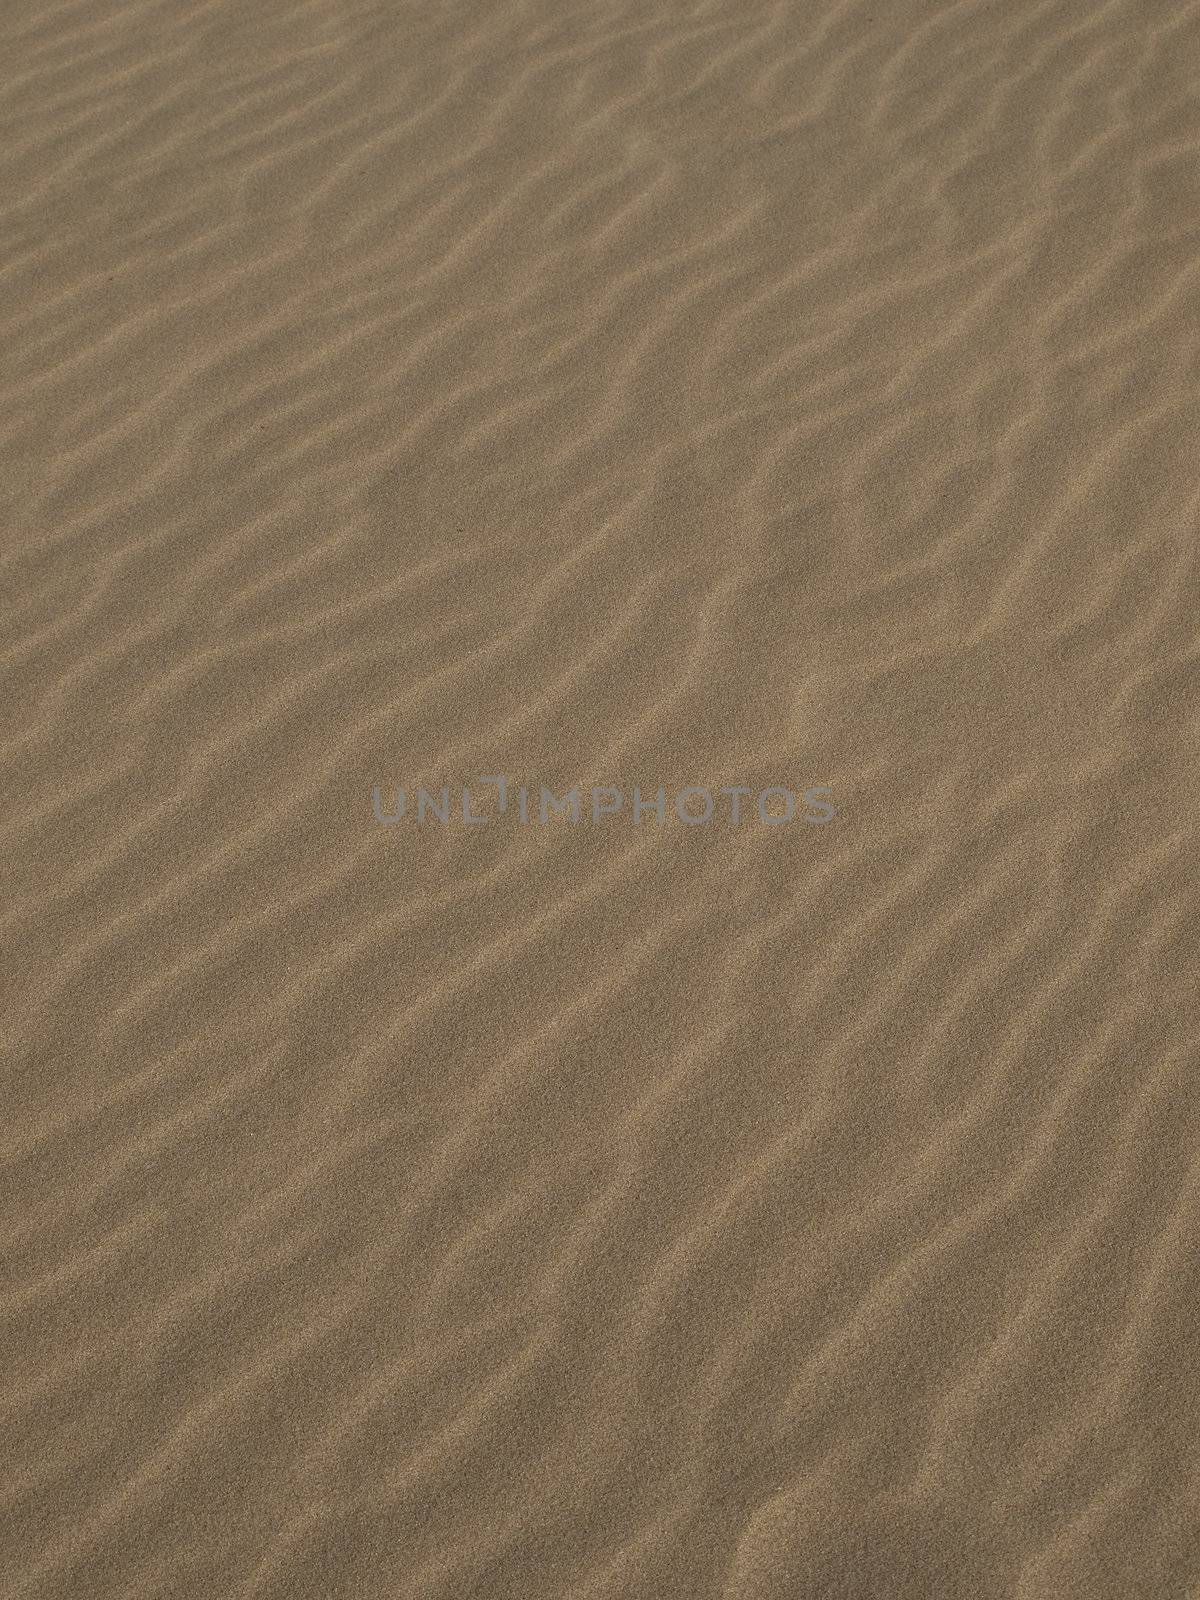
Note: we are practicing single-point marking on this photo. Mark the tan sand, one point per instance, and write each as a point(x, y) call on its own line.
point(779, 393)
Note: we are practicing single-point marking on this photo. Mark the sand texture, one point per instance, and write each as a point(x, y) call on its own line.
point(775, 394)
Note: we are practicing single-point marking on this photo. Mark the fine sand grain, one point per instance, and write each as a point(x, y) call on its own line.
point(767, 393)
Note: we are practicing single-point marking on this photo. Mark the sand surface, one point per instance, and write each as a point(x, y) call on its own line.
point(766, 393)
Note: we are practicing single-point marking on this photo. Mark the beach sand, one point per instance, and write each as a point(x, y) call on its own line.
point(793, 394)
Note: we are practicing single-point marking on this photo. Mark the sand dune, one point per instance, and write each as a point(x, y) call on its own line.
point(771, 395)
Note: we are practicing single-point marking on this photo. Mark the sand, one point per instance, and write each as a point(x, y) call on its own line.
point(793, 395)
